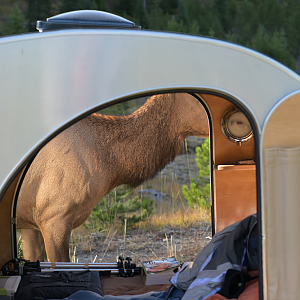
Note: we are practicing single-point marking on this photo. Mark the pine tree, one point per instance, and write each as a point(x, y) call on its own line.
point(273, 45)
point(194, 28)
point(246, 22)
point(270, 14)
point(157, 19)
point(216, 29)
point(125, 7)
point(182, 14)
point(15, 23)
point(69, 5)
point(169, 7)
point(140, 16)
point(176, 26)
point(117, 206)
point(204, 16)
point(220, 7)
point(292, 26)
point(231, 10)
point(37, 10)
point(102, 5)
point(198, 193)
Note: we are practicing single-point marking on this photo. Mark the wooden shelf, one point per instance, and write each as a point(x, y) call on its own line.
point(236, 167)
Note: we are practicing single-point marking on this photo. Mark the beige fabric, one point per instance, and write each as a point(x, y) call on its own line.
point(282, 199)
point(118, 286)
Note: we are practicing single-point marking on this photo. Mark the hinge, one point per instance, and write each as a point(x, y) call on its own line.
point(13, 221)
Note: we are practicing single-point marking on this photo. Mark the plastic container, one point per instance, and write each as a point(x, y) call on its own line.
point(8, 287)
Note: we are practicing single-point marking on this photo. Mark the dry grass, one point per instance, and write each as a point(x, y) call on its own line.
point(180, 219)
point(182, 235)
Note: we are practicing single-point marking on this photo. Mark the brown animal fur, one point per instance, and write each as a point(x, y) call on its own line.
point(82, 164)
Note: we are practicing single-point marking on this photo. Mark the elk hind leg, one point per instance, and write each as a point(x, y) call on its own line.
point(33, 245)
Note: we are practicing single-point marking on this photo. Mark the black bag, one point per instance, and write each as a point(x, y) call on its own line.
point(57, 285)
point(234, 283)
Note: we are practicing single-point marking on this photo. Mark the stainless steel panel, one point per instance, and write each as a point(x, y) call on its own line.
point(49, 78)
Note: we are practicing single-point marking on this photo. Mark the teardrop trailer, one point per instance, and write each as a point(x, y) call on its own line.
point(54, 78)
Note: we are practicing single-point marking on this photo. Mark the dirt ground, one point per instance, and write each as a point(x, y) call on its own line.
point(185, 244)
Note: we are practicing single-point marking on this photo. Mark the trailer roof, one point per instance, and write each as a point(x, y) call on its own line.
point(49, 79)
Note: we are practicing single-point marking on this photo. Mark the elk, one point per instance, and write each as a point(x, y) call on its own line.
point(79, 166)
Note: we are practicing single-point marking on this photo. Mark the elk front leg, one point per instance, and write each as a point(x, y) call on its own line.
point(57, 238)
point(33, 245)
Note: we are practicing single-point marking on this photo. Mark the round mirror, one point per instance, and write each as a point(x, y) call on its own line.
point(235, 126)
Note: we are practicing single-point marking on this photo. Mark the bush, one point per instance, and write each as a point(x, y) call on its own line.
point(19, 248)
point(116, 206)
point(198, 194)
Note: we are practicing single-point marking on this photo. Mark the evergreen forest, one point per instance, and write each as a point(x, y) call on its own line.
point(271, 27)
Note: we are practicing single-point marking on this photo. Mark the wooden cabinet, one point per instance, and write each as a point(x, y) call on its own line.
point(235, 194)
point(234, 185)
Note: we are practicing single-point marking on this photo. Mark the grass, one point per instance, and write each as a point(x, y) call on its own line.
point(166, 234)
point(180, 219)
point(173, 229)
